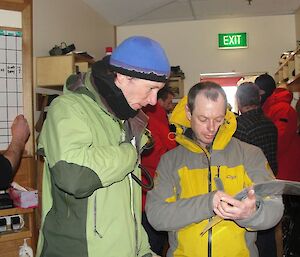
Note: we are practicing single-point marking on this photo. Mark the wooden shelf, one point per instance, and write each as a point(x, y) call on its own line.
point(13, 211)
point(81, 58)
point(297, 51)
point(15, 235)
point(177, 86)
point(25, 232)
point(11, 241)
point(289, 72)
point(52, 71)
point(294, 83)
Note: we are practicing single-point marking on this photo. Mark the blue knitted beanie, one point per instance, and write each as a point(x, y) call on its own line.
point(141, 57)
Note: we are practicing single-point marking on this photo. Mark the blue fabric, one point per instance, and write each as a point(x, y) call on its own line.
point(141, 54)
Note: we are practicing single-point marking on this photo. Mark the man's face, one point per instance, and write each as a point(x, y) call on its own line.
point(206, 118)
point(138, 92)
point(167, 104)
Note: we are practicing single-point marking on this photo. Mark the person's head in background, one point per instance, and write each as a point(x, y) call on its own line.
point(206, 109)
point(130, 78)
point(247, 97)
point(267, 84)
point(165, 98)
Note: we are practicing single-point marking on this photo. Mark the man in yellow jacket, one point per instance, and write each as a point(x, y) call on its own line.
point(186, 195)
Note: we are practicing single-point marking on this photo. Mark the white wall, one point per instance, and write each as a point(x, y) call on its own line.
point(297, 21)
point(194, 44)
point(71, 21)
point(10, 19)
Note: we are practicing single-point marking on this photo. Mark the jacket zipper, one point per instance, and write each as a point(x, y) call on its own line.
point(209, 231)
point(95, 217)
point(209, 246)
point(209, 254)
point(68, 207)
point(133, 213)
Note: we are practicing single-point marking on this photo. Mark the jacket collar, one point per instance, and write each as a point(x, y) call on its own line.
point(82, 84)
point(222, 138)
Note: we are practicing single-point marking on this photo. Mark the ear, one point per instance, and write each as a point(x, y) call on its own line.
point(238, 103)
point(188, 113)
point(120, 77)
point(160, 101)
point(121, 80)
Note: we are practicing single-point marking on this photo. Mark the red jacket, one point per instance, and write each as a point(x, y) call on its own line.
point(289, 165)
point(158, 125)
point(278, 108)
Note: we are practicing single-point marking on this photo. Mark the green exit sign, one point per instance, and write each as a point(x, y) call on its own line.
point(233, 40)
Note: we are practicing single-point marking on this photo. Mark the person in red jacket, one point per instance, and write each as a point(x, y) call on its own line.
point(298, 114)
point(277, 107)
point(289, 162)
point(158, 125)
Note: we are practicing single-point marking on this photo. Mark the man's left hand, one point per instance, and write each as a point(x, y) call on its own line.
point(227, 207)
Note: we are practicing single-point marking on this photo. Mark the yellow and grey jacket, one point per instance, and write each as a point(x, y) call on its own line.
point(181, 201)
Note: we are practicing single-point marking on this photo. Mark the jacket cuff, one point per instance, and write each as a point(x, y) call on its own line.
point(251, 220)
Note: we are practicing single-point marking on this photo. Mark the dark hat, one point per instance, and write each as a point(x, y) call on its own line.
point(266, 83)
point(141, 57)
point(248, 94)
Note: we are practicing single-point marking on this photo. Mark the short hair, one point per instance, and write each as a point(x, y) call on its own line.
point(164, 92)
point(247, 94)
point(209, 89)
point(266, 83)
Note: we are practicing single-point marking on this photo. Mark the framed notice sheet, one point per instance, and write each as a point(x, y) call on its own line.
point(11, 89)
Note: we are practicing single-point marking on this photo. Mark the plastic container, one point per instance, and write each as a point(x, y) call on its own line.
point(25, 250)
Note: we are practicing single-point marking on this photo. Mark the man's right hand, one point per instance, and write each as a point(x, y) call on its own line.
point(20, 131)
point(227, 207)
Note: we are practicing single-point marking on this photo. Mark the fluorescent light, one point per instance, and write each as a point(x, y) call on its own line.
point(217, 74)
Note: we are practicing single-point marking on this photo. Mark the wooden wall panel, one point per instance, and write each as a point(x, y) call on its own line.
point(26, 174)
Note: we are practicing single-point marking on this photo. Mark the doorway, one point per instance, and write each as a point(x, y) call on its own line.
point(229, 82)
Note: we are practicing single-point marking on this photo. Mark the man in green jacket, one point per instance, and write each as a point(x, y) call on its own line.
point(91, 142)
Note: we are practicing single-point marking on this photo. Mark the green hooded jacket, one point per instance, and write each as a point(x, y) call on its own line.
point(91, 206)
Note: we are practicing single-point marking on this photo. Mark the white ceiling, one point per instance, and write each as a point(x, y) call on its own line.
point(134, 12)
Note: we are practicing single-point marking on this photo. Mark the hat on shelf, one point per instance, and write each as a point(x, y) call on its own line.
point(141, 57)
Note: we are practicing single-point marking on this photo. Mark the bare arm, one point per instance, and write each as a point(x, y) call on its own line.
point(20, 134)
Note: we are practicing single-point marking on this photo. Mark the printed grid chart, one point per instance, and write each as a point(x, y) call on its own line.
point(11, 89)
